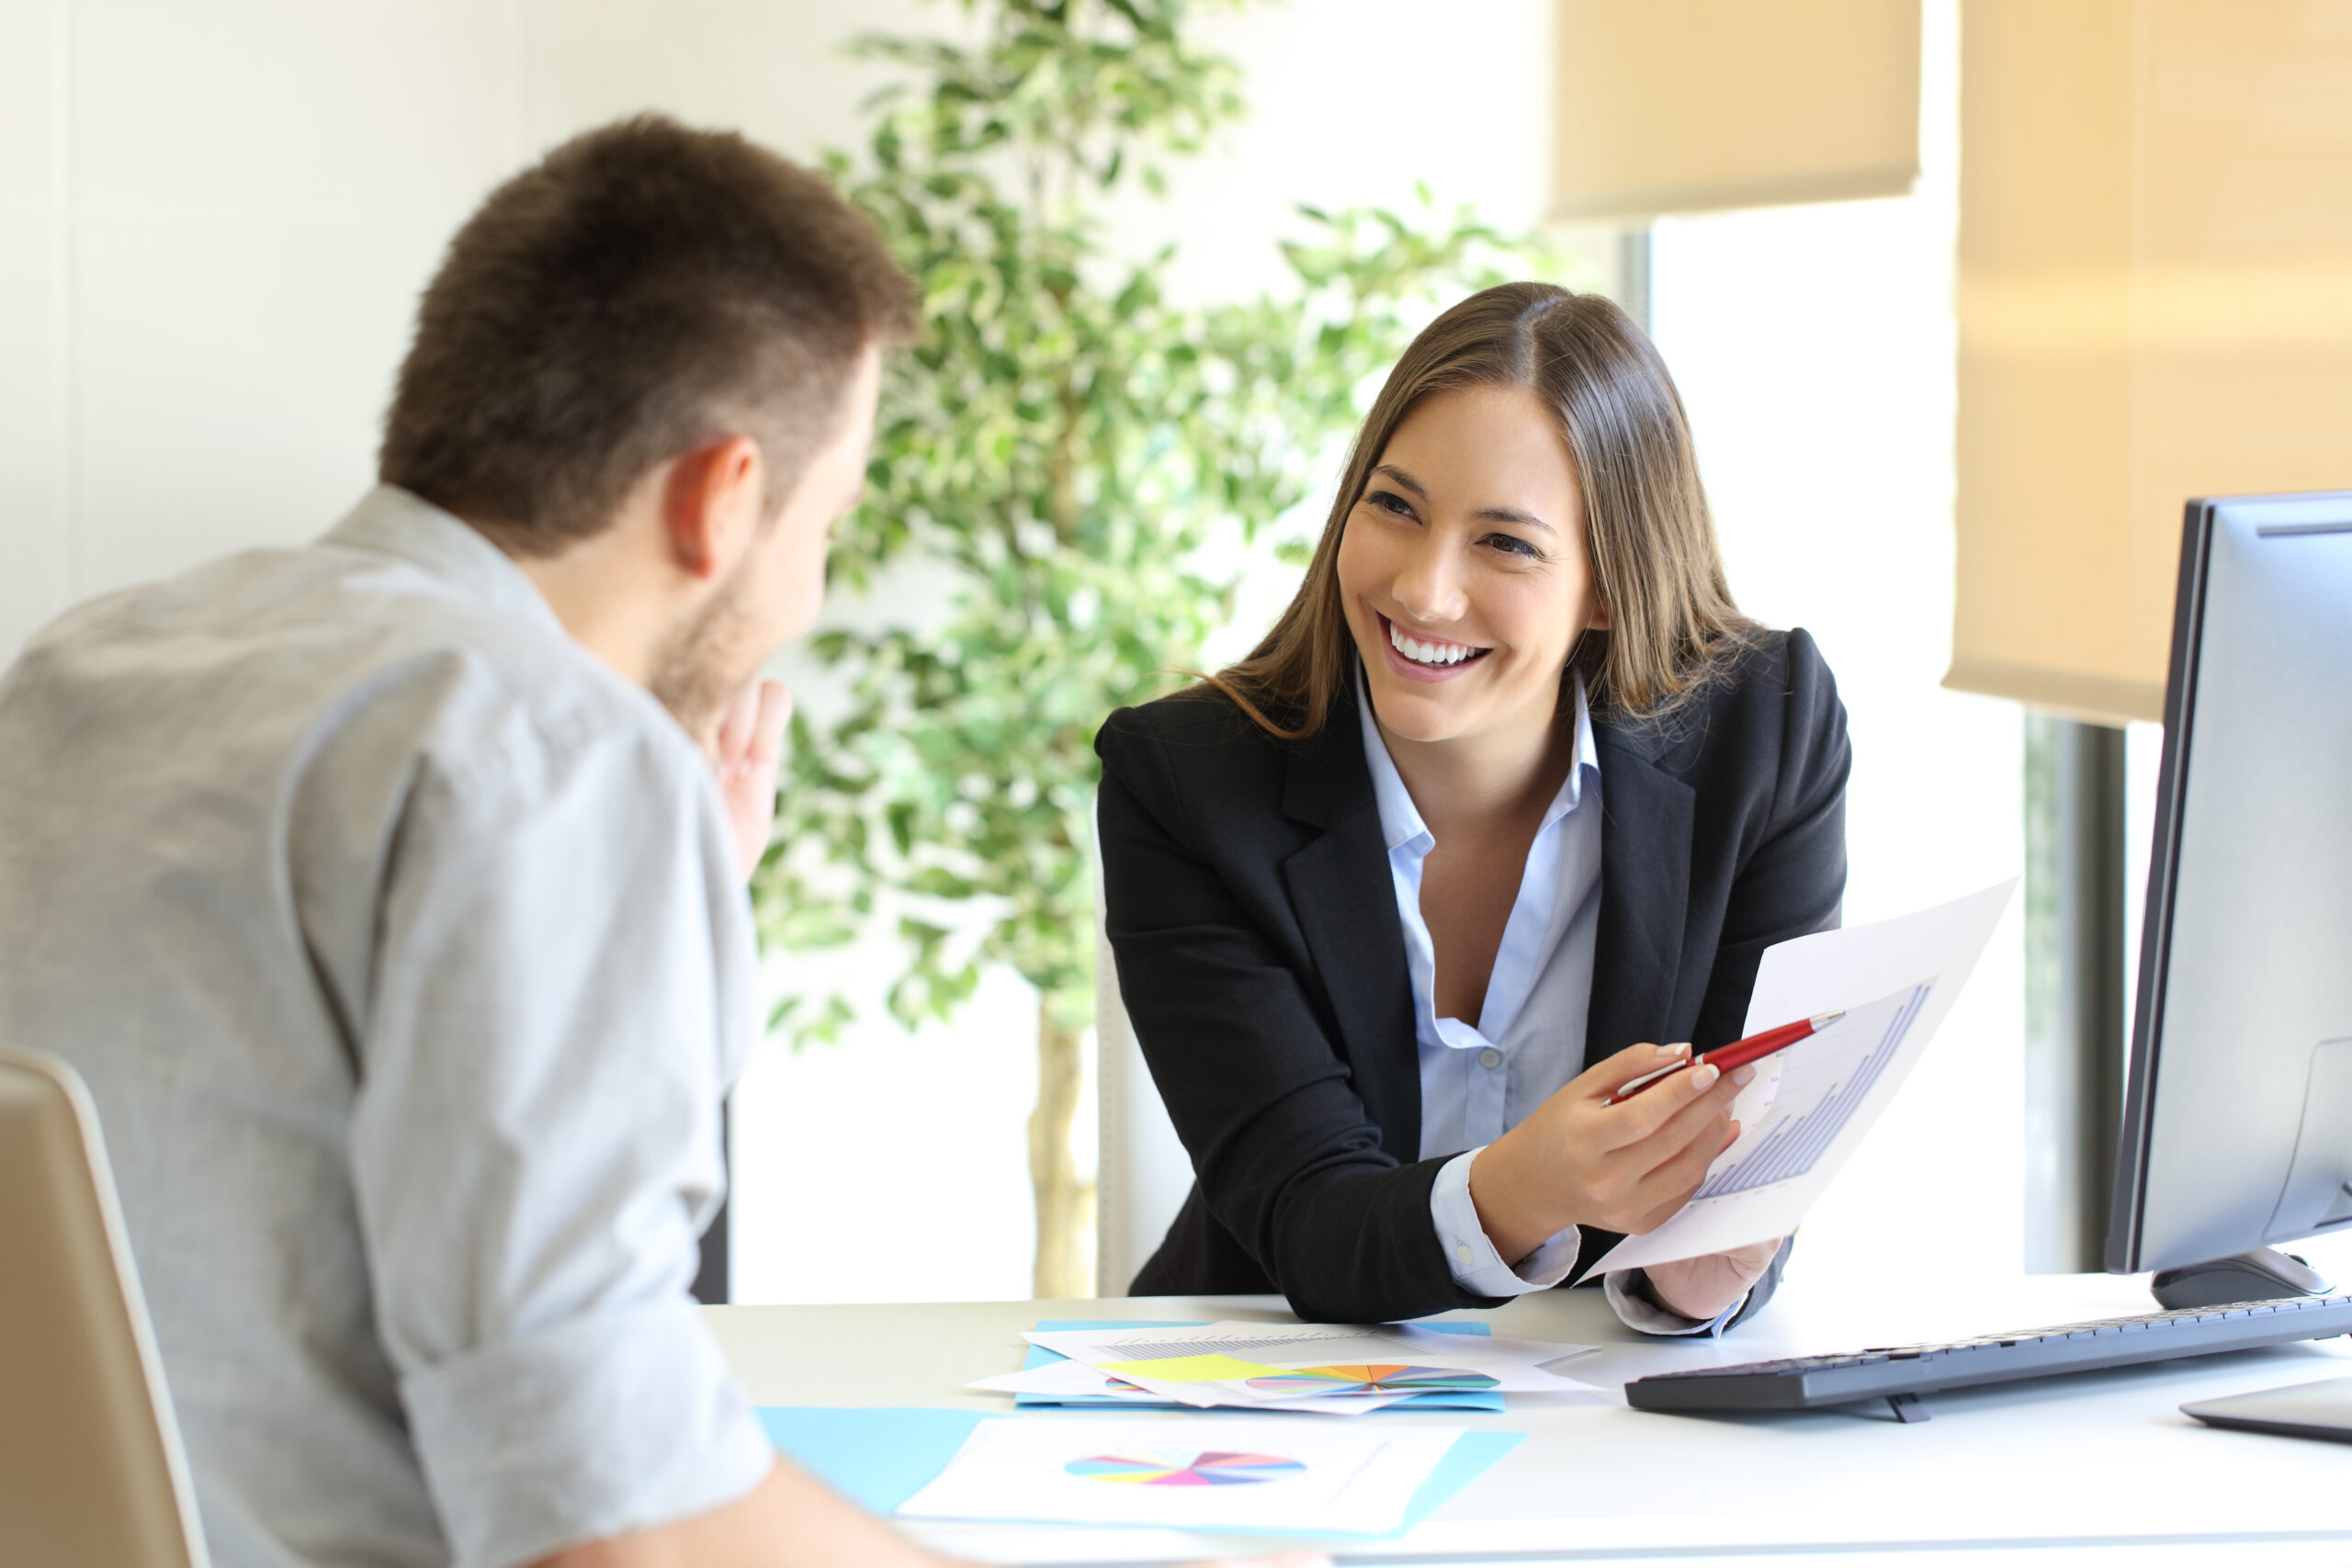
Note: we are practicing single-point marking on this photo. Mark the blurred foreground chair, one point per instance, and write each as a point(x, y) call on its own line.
point(91, 1471)
point(1142, 1171)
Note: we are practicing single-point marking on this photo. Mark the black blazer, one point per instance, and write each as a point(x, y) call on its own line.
point(1259, 953)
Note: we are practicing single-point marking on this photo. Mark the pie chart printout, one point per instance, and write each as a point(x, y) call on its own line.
point(1376, 1378)
point(1202, 1470)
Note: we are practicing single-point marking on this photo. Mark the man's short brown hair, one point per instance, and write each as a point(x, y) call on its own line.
point(643, 288)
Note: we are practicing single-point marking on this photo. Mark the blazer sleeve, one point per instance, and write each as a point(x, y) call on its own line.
point(1289, 1161)
point(1792, 882)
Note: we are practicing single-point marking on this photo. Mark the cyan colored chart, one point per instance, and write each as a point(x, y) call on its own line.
point(1389, 1379)
point(1205, 1470)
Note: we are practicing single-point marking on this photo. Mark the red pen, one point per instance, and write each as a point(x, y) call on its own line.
point(1738, 1054)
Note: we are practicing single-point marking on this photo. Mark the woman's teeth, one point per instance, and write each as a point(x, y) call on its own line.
point(1439, 653)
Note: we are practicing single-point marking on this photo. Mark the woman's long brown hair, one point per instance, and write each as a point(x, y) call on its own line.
point(1656, 563)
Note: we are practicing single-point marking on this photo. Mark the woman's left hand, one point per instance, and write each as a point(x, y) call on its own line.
point(1700, 1288)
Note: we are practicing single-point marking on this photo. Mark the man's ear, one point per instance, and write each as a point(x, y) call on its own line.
point(712, 503)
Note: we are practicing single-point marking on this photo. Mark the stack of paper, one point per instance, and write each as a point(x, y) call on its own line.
point(1318, 1368)
point(1073, 1386)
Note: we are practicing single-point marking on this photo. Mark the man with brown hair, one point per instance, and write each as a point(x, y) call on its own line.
point(389, 892)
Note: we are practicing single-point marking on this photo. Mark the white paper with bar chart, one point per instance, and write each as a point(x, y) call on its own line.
point(1812, 1105)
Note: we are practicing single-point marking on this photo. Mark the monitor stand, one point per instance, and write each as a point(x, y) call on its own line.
point(2322, 1410)
point(2264, 1274)
point(2317, 1195)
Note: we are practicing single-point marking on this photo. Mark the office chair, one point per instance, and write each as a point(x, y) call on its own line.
point(1143, 1172)
point(91, 1470)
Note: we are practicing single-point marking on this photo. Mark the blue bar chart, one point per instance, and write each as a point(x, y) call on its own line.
point(1824, 1081)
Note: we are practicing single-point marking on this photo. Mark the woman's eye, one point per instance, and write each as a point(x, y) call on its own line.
point(1390, 501)
point(1512, 544)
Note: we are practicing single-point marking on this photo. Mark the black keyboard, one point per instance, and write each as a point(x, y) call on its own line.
point(1900, 1373)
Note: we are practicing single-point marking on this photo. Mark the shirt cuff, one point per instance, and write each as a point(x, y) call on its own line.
point(1636, 1310)
point(1477, 1267)
point(605, 1424)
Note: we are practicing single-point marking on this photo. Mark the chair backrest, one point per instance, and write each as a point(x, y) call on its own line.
point(1143, 1172)
point(91, 1470)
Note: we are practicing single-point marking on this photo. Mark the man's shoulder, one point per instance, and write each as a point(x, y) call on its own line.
point(491, 685)
point(331, 648)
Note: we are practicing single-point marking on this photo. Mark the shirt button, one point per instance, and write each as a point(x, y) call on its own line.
point(1463, 1253)
point(1490, 1057)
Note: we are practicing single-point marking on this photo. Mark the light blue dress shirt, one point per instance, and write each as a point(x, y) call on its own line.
point(403, 947)
point(1480, 1080)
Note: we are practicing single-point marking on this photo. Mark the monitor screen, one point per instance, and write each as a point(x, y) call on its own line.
point(2237, 1128)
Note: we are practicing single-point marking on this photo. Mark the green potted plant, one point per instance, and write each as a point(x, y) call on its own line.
point(1091, 464)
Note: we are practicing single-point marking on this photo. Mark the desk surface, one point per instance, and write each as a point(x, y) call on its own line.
point(2094, 1468)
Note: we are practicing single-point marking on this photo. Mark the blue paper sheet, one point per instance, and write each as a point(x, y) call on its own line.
point(1456, 1399)
point(877, 1457)
point(880, 1458)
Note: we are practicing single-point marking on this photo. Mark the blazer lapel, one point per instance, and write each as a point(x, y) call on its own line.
point(1341, 892)
point(1644, 887)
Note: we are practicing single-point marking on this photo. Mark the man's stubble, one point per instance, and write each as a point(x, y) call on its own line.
point(693, 674)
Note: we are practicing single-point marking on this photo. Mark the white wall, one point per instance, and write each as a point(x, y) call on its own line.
point(215, 220)
point(1815, 349)
point(214, 223)
point(1351, 102)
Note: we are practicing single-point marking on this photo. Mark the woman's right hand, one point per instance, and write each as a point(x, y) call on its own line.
point(1579, 1160)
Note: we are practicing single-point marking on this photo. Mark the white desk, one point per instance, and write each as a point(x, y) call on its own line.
point(2089, 1471)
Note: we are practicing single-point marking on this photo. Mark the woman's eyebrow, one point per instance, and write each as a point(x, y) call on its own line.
point(1513, 515)
point(1491, 513)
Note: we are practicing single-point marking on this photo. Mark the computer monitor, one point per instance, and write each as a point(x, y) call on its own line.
point(2237, 1129)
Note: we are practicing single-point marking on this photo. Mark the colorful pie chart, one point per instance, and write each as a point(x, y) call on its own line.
point(1204, 1470)
point(1384, 1378)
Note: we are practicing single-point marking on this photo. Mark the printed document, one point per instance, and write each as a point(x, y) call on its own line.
point(1076, 1380)
point(1811, 1105)
point(1232, 1472)
point(1277, 1365)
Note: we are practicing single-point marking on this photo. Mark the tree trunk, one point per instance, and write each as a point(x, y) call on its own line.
point(1065, 1203)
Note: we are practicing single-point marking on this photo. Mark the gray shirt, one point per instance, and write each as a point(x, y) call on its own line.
point(402, 946)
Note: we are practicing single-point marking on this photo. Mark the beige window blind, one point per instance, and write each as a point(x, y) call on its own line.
point(2154, 303)
point(1680, 106)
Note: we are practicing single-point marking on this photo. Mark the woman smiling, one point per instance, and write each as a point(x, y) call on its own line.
point(1510, 793)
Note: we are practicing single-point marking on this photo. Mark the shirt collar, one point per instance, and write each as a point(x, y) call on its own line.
point(1400, 820)
point(399, 522)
